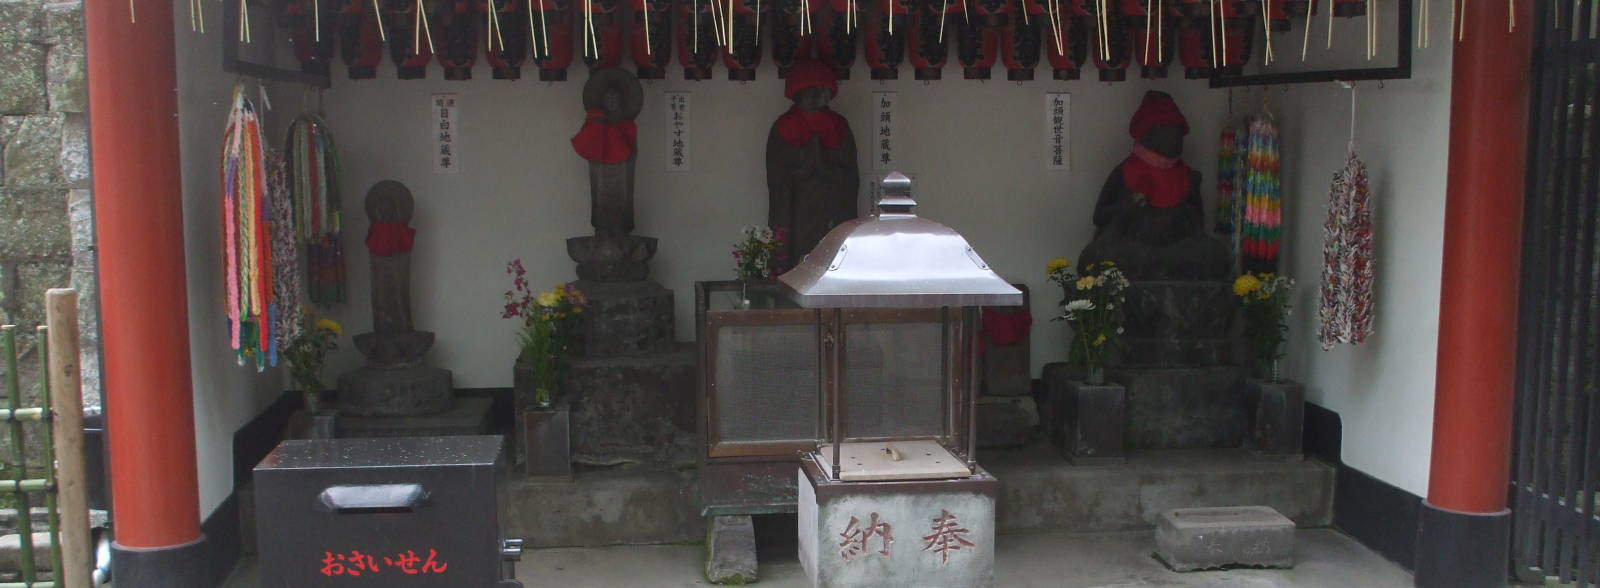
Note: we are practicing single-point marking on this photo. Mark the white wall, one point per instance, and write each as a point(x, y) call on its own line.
point(975, 149)
point(226, 395)
point(1383, 390)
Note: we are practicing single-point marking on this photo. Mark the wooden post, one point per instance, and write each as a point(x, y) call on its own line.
point(66, 395)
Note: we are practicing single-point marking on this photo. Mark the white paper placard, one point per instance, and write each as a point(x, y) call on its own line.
point(1057, 130)
point(883, 130)
point(446, 130)
point(678, 159)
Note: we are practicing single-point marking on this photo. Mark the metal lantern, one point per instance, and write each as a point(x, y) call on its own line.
point(893, 258)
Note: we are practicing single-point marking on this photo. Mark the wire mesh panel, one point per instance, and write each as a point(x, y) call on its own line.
point(1556, 475)
point(766, 379)
point(894, 377)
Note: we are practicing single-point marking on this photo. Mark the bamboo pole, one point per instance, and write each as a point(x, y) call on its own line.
point(18, 443)
point(52, 503)
point(66, 396)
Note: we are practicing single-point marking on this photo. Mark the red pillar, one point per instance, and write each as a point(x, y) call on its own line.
point(1463, 532)
point(133, 110)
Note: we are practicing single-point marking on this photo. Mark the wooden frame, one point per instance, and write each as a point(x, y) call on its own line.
point(1401, 70)
point(231, 62)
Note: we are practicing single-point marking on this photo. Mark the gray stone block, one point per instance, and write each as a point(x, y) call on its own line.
point(731, 550)
point(625, 506)
point(1176, 323)
point(66, 81)
point(462, 416)
point(22, 87)
point(33, 153)
point(632, 318)
point(1190, 539)
point(33, 279)
point(1184, 408)
point(1090, 421)
point(1278, 411)
point(639, 409)
point(1006, 421)
point(63, 25)
point(34, 224)
point(388, 392)
point(21, 20)
point(11, 551)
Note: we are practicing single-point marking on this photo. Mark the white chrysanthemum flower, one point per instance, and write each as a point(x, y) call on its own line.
point(1079, 305)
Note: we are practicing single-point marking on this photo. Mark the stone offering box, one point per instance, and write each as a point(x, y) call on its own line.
point(911, 534)
point(761, 405)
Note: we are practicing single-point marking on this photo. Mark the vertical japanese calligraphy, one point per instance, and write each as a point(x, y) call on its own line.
point(1058, 131)
point(883, 130)
point(948, 535)
point(858, 539)
point(445, 127)
point(678, 156)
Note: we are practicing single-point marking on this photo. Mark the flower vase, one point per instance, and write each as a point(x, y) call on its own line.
point(1096, 375)
point(744, 294)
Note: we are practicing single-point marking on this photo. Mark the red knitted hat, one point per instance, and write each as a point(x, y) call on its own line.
point(1157, 109)
point(809, 73)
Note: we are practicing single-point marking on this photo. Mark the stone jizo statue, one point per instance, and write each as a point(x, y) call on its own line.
point(612, 98)
point(811, 162)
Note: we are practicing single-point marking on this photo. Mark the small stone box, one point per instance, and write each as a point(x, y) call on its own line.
point(897, 534)
point(1189, 539)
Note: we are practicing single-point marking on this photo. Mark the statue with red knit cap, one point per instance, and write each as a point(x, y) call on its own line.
point(1149, 218)
point(811, 162)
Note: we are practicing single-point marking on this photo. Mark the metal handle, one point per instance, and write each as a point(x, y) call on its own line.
point(372, 498)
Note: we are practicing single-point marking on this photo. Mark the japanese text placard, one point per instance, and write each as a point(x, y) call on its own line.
point(883, 130)
point(1058, 130)
point(446, 130)
point(678, 159)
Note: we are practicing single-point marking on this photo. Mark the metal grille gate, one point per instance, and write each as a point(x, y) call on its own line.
point(1556, 473)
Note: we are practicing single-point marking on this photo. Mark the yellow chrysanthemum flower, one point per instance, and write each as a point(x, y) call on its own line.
point(549, 298)
point(1246, 284)
point(1057, 264)
point(1086, 282)
point(330, 325)
point(1101, 340)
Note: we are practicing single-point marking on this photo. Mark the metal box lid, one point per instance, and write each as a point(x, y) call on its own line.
point(894, 259)
point(297, 454)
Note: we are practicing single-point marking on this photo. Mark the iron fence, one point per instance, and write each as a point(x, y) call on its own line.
point(1556, 470)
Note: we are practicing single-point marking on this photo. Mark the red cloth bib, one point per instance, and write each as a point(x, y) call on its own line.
point(385, 239)
point(798, 125)
point(1163, 180)
point(602, 142)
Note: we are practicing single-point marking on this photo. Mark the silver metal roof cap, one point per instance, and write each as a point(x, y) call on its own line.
point(892, 258)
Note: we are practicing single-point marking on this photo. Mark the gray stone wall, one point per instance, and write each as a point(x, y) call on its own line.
point(46, 224)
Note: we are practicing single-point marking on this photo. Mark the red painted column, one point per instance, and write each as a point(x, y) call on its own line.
point(133, 121)
point(1491, 79)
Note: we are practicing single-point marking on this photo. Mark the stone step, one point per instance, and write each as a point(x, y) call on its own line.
point(11, 552)
point(1039, 491)
point(1189, 539)
point(625, 506)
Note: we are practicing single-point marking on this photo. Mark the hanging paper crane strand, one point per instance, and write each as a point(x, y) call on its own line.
point(247, 239)
point(1346, 309)
point(1263, 199)
point(313, 173)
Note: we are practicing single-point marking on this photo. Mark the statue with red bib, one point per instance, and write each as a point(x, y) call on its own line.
point(608, 140)
point(1149, 218)
point(811, 162)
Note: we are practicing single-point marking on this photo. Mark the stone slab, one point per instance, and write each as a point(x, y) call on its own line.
point(638, 409)
point(388, 392)
point(1041, 492)
point(465, 416)
point(623, 506)
point(630, 318)
point(1184, 408)
point(1006, 421)
point(731, 550)
point(1189, 539)
point(925, 534)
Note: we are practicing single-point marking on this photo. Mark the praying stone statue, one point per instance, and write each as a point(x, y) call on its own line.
point(608, 140)
point(394, 381)
point(1150, 219)
point(811, 162)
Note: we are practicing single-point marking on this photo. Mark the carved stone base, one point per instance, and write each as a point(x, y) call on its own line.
point(414, 390)
point(632, 409)
point(1185, 408)
point(1088, 420)
point(630, 318)
point(394, 349)
point(612, 259)
point(462, 416)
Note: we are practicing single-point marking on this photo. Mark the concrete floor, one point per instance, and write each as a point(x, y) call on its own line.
point(1324, 559)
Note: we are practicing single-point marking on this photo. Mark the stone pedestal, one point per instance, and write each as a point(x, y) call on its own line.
point(1175, 324)
point(461, 416)
point(1278, 414)
point(623, 318)
point(1006, 421)
point(632, 409)
point(1189, 539)
point(1185, 407)
point(910, 534)
point(1088, 421)
point(622, 259)
point(398, 391)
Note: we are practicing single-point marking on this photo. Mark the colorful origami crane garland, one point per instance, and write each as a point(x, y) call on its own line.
point(247, 235)
point(1262, 229)
point(313, 182)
